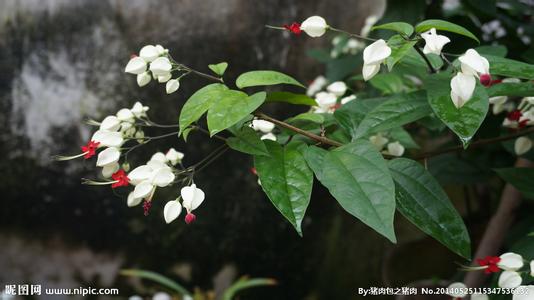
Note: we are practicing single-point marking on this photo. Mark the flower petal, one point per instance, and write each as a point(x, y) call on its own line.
point(149, 53)
point(132, 201)
point(140, 174)
point(509, 279)
point(108, 156)
point(314, 26)
point(171, 211)
point(143, 189)
point(510, 261)
point(108, 170)
point(376, 53)
point(192, 197)
point(369, 71)
point(522, 145)
point(163, 177)
point(136, 65)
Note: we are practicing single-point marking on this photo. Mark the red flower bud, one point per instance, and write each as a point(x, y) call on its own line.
point(190, 218)
point(485, 79)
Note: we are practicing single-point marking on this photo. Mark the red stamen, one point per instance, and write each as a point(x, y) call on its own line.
point(485, 79)
point(90, 149)
point(294, 28)
point(190, 218)
point(146, 207)
point(514, 115)
point(121, 179)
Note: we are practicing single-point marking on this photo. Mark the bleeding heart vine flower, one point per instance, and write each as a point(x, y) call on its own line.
point(462, 89)
point(373, 56)
point(136, 65)
point(498, 104)
point(172, 211)
point(474, 64)
point(192, 198)
point(143, 79)
point(510, 261)
point(108, 156)
point(347, 99)
point(434, 42)
point(262, 125)
point(378, 141)
point(395, 149)
point(139, 110)
point(294, 28)
point(109, 170)
point(268, 136)
point(522, 145)
point(147, 178)
point(326, 102)
point(314, 26)
point(489, 263)
point(337, 88)
point(89, 150)
point(161, 66)
point(172, 86)
point(174, 156)
point(316, 86)
point(509, 279)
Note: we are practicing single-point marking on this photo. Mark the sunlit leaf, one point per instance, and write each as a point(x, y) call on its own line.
point(444, 26)
point(256, 78)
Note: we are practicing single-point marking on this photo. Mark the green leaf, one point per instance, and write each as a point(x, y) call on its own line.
point(402, 136)
point(291, 98)
point(424, 203)
point(397, 111)
point(286, 179)
point(219, 68)
point(495, 50)
point(186, 132)
point(358, 178)
point(199, 103)
point(388, 83)
point(400, 27)
point(351, 114)
point(255, 78)
point(158, 278)
point(523, 89)
point(247, 141)
point(444, 26)
point(232, 107)
point(510, 68)
point(311, 117)
point(244, 284)
point(464, 121)
point(520, 178)
point(399, 48)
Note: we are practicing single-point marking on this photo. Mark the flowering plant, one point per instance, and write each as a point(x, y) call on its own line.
point(356, 145)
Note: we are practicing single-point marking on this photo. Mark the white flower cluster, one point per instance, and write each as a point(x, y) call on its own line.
point(153, 62)
point(473, 66)
point(327, 101)
point(265, 127)
point(392, 148)
point(113, 132)
point(345, 46)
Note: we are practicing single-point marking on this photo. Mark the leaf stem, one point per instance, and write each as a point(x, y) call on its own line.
point(351, 34)
point(429, 64)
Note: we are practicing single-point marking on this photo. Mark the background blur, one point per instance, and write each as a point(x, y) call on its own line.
point(63, 60)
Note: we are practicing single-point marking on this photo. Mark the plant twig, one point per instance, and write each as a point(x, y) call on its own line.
point(429, 64)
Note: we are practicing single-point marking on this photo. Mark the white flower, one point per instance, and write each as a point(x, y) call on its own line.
point(262, 125)
point(509, 280)
point(316, 85)
point(161, 296)
point(457, 290)
point(108, 170)
point(172, 86)
point(110, 123)
point(474, 64)
point(165, 77)
point(149, 53)
point(192, 197)
point(143, 79)
point(378, 141)
point(479, 297)
point(522, 145)
point(325, 100)
point(337, 88)
point(434, 42)
point(395, 149)
point(462, 88)
point(268, 136)
point(510, 261)
point(108, 156)
point(136, 65)
point(160, 66)
point(132, 201)
point(159, 156)
point(498, 104)
point(532, 268)
point(524, 292)
point(172, 210)
point(369, 22)
point(174, 156)
point(314, 26)
point(108, 138)
point(139, 110)
point(125, 115)
point(373, 56)
point(159, 177)
point(347, 99)
point(353, 45)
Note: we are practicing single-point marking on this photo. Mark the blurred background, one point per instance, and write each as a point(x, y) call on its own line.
point(62, 61)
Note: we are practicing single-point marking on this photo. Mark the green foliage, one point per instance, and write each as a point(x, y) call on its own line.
point(463, 121)
point(444, 26)
point(286, 179)
point(510, 68)
point(199, 103)
point(351, 114)
point(399, 48)
point(246, 140)
point(358, 178)
point(157, 278)
point(291, 98)
point(232, 107)
point(422, 201)
point(244, 284)
point(400, 27)
point(520, 178)
point(219, 68)
point(523, 89)
point(261, 78)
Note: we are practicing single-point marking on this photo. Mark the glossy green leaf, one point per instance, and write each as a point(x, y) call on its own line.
point(246, 140)
point(357, 176)
point(523, 89)
point(157, 278)
point(299, 99)
point(400, 27)
point(231, 108)
point(402, 136)
point(424, 203)
point(444, 26)
point(495, 50)
point(399, 48)
point(199, 103)
point(520, 178)
point(219, 68)
point(245, 284)
point(397, 111)
point(388, 83)
point(314, 157)
point(463, 121)
point(186, 132)
point(286, 179)
point(351, 114)
point(256, 78)
point(310, 117)
point(509, 67)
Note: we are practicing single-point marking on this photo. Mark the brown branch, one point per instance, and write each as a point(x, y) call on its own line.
point(317, 138)
point(498, 226)
point(475, 144)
